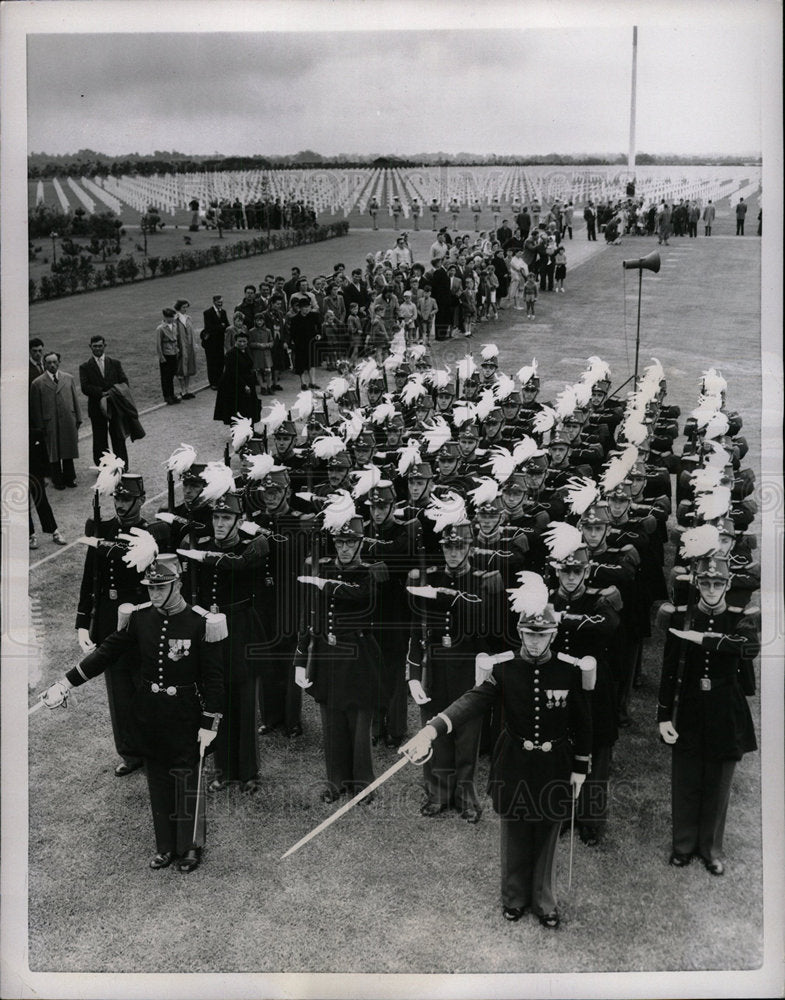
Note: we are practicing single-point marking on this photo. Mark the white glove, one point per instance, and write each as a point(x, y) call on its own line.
point(690, 636)
point(88, 540)
point(420, 697)
point(196, 554)
point(317, 581)
point(57, 693)
point(86, 644)
point(668, 733)
point(483, 665)
point(300, 679)
point(576, 780)
point(205, 738)
point(418, 749)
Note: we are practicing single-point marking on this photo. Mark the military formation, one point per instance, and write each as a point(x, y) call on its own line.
point(445, 536)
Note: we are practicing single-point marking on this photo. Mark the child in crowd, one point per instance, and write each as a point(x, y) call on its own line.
point(407, 314)
point(530, 293)
point(330, 336)
point(354, 329)
point(561, 267)
point(378, 340)
point(427, 309)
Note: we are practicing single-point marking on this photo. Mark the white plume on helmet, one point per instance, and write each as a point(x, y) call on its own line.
point(110, 470)
point(531, 597)
point(484, 404)
point(525, 449)
point(365, 480)
point(384, 411)
point(142, 549)
point(562, 539)
point(338, 387)
point(303, 405)
point(714, 504)
point(544, 420)
point(527, 372)
point(699, 541)
point(581, 493)
point(447, 510)
point(338, 510)
point(566, 402)
point(275, 417)
point(466, 367)
point(438, 377)
point(487, 491)
point(241, 432)
point(218, 480)
point(413, 389)
point(352, 425)
point(180, 460)
point(410, 455)
point(504, 387)
point(618, 469)
point(502, 463)
point(328, 445)
point(462, 413)
point(436, 434)
point(367, 370)
point(259, 466)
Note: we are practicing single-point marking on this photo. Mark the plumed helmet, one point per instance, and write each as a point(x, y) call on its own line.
point(130, 485)
point(163, 569)
point(597, 513)
point(194, 474)
point(229, 503)
point(352, 528)
point(712, 568)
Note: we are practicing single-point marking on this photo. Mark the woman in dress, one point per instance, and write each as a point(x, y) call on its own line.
point(186, 364)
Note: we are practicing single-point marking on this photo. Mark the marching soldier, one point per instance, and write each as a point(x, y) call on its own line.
point(458, 613)
point(707, 676)
point(337, 660)
point(107, 582)
point(175, 711)
point(227, 567)
point(545, 745)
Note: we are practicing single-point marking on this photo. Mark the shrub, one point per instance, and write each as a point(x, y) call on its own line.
point(110, 273)
point(47, 287)
point(31, 289)
point(152, 263)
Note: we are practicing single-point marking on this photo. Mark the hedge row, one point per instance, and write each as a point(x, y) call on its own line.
point(84, 276)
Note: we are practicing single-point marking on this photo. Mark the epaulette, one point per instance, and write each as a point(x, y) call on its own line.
point(490, 579)
point(125, 611)
point(215, 627)
point(665, 613)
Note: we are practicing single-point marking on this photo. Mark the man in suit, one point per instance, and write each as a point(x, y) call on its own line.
point(440, 289)
point(96, 377)
point(356, 290)
point(36, 365)
point(56, 416)
point(504, 233)
point(212, 336)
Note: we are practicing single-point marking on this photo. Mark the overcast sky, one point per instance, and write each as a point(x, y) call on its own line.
point(565, 90)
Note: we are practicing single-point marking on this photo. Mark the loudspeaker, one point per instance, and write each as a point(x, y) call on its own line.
point(649, 263)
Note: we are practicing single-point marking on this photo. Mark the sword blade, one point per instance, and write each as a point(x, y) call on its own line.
point(572, 839)
point(34, 708)
point(348, 805)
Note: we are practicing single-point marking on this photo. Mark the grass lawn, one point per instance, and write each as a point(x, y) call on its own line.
point(384, 890)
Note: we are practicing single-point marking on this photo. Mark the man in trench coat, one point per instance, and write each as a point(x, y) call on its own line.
point(55, 413)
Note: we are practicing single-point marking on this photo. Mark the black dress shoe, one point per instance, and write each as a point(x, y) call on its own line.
point(551, 920)
point(296, 730)
point(513, 913)
point(264, 730)
point(430, 809)
point(679, 860)
point(217, 785)
point(188, 395)
point(329, 796)
point(72, 485)
point(123, 769)
point(471, 815)
point(162, 860)
point(251, 787)
point(714, 867)
point(190, 860)
point(59, 486)
point(588, 835)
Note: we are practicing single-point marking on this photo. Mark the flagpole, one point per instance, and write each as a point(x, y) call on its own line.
point(631, 156)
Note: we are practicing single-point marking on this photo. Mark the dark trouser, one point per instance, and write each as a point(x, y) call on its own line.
point(346, 733)
point(391, 720)
point(693, 229)
point(592, 806)
point(700, 792)
point(739, 227)
point(591, 231)
point(443, 320)
point(214, 357)
point(102, 430)
point(168, 371)
point(449, 774)
point(62, 471)
point(37, 495)
point(528, 853)
point(567, 229)
point(236, 756)
point(172, 801)
point(630, 651)
point(280, 699)
point(121, 686)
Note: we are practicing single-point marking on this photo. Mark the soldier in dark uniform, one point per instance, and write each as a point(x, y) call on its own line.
point(192, 516)
point(588, 618)
point(288, 530)
point(461, 617)
point(530, 517)
point(393, 549)
point(176, 708)
point(493, 428)
point(545, 744)
point(108, 582)
point(707, 676)
point(448, 476)
point(227, 567)
point(419, 487)
point(472, 457)
point(338, 661)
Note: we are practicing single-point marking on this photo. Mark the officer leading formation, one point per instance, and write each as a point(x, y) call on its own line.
point(449, 537)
